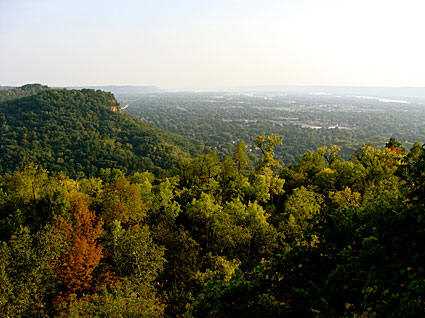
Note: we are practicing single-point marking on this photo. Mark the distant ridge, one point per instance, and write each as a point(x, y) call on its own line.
point(3, 88)
point(410, 92)
point(123, 89)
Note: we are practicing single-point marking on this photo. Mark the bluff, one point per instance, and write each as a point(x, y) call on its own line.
point(79, 132)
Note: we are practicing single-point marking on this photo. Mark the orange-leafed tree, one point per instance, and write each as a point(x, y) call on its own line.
point(83, 253)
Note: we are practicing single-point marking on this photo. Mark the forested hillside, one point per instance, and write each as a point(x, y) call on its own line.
point(80, 132)
point(325, 237)
point(10, 93)
point(103, 215)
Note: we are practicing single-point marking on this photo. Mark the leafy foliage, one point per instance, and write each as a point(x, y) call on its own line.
point(80, 133)
point(213, 237)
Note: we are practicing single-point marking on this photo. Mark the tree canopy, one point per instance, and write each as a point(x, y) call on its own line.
point(205, 235)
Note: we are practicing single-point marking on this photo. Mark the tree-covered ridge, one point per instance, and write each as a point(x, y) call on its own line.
point(79, 132)
point(325, 237)
point(17, 92)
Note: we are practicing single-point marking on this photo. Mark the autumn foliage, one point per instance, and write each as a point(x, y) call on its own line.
point(231, 237)
point(76, 265)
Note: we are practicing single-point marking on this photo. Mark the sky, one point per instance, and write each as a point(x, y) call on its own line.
point(183, 44)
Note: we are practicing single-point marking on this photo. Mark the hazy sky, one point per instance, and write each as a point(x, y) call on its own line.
point(211, 44)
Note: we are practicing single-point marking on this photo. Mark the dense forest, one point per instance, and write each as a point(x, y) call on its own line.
point(79, 132)
point(87, 228)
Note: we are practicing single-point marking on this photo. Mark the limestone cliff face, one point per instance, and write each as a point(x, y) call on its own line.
point(115, 106)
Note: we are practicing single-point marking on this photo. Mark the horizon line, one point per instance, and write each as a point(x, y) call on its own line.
point(259, 86)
